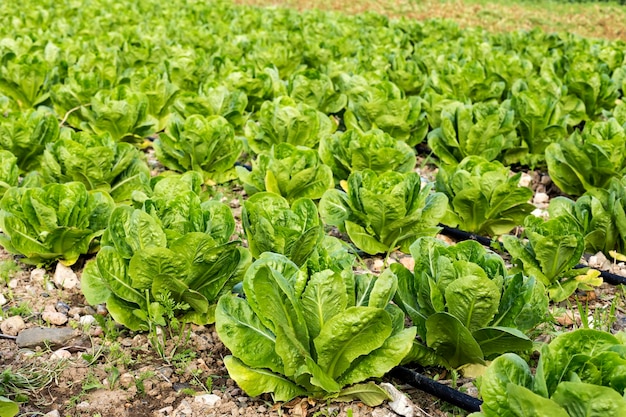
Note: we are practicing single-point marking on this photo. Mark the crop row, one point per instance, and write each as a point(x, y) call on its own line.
point(323, 107)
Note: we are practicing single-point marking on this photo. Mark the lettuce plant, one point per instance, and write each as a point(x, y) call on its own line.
point(260, 86)
point(27, 135)
point(56, 222)
point(353, 150)
point(592, 84)
point(317, 335)
point(580, 373)
point(465, 305)
point(282, 120)
point(97, 161)
point(484, 198)
point(9, 172)
point(542, 115)
point(600, 216)
point(121, 112)
point(290, 171)
point(179, 204)
point(383, 105)
point(589, 159)
point(549, 252)
point(316, 89)
point(215, 101)
point(272, 225)
point(384, 212)
point(484, 129)
point(149, 273)
point(203, 144)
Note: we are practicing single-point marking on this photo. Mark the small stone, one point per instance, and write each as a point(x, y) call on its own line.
point(541, 198)
point(60, 354)
point(127, 379)
point(38, 275)
point(166, 410)
point(87, 320)
point(13, 325)
point(101, 310)
point(40, 336)
point(262, 409)
point(183, 409)
point(378, 265)
point(546, 180)
point(53, 413)
point(64, 277)
point(13, 283)
point(400, 403)
point(50, 286)
point(62, 307)
point(541, 213)
point(3, 300)
point(83, 406)
point(207, 399)
point(525, 180)
point(408, 262)
point(56, 318)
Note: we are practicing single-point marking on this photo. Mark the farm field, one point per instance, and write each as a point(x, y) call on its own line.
point(210, 208)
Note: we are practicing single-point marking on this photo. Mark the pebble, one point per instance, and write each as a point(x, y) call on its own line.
point(101, 310)
point(56, 318)
point(3, 300)
point(13, 283)
point(207, 399)
point(400, 403)
point(37, 275)
point(183, 409)
point(83, 406)
point(64, 277)
point(525, 180)
point(87, 320)
point(166, 410)
point(13, 325)
point(53, 413)
point(39, 336)
point(541, 198)
point(127, 379)
point(62, 307)
point(408, 262)
point(50, 286)
point(61, 354)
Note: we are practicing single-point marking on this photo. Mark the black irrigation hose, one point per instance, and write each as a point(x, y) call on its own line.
point(444, 392)
point(608, 277)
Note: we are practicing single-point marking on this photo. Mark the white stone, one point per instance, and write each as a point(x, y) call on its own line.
point(37, 275)
point(54, 317)
point(541, 198)
point(87, 320)
point(207, 399)
point(64, 277)
point(13, 283)
point(53, 413)
point(3, 299)
point(60, 354)
point(525, 180)
point(400, 403)
point(12, 325)
point(165, 411)
point(127, 379)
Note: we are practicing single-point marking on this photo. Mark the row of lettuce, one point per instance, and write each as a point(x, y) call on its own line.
point(308, 324)
point(342, 102)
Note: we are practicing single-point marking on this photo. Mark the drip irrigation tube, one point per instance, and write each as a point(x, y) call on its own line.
point(447, 394)
point(608, 277)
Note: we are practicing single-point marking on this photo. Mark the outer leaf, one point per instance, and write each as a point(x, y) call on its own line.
point(356, 331)
point(588, 400)
point(256, 381)
point(245, 336)
point(452, 341)
point(370, 394)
